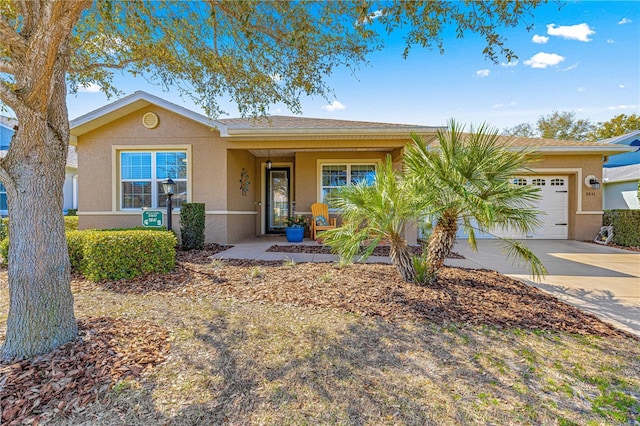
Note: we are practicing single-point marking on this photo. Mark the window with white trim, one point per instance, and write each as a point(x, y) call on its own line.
point(538, 182)
point(335, 176)
point(141, 176)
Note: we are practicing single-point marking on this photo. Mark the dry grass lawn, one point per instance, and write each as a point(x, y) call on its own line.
point(246, 350)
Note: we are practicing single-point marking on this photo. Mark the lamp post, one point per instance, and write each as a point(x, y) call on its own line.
point(169, 188)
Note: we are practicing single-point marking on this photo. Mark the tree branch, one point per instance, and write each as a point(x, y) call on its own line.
point(8, 97)
point(7, 67)
point(11, 38)
point(90, 67)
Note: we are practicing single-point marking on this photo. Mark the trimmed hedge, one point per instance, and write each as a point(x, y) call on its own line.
point(626, 226)
point(117, 255)
point(71, 223)
point(192, 220)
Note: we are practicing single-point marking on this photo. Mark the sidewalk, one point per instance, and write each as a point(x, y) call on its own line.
point(256, 249)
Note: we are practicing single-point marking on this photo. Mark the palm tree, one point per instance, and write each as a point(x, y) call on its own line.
point(466, 181)
point(373, 213)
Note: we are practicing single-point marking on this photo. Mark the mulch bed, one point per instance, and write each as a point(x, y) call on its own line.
point(109, 350)
point(320, 249)
point(77, 373)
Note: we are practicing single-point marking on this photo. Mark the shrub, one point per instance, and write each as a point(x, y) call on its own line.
point(116, 255)
point(72, 212)
point(4, 251)
point(71, 223)
point(192, 220)
point(75, 244)
point(4, 228)
point(626, 226)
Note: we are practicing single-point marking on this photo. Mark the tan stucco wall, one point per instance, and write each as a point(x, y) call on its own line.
point(97, 161)
point(585, 204)
point(215, 166)
point(242, 218)
point(307, 172)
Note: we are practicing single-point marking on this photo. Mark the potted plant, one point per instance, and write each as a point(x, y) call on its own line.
point(295, 228)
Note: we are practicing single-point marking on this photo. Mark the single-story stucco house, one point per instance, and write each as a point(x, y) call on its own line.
point(621, 174)
point(128, 147)
point(70, 193)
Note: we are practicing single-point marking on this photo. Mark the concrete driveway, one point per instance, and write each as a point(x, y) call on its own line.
point(602, 280)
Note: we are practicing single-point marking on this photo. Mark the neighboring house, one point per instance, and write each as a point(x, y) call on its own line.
point(130, 146)
point(621, 174)
point(7, 129)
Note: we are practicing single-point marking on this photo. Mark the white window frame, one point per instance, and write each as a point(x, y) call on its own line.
point(118, 150)
point(341, 162)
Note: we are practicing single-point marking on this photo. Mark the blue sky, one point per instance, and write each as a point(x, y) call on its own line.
point(583, 57)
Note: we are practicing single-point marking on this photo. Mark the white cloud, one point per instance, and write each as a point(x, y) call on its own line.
point(571, 67)
point(89, 88)
point(624, 21)
point(581, 89)
point(580, 32)
point(621, 86)
point(510, 64)
point(483, 73)
point(376, 14)
point(334, 106)
point(610, 41)
point(544, 60)
point(615, 107)
point(502, 105)
point(540, 39)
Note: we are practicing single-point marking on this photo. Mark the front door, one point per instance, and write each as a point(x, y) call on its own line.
point(277, 199)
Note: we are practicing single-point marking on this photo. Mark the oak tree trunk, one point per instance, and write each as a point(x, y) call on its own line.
point(41, 304)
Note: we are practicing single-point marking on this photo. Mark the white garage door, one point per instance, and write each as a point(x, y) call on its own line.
point(554, 206)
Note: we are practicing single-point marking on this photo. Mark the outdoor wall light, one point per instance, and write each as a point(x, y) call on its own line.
point(269, 163)
point(592, 182)
point(169, 188)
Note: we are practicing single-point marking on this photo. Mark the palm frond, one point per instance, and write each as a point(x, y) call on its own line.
point(515, 251)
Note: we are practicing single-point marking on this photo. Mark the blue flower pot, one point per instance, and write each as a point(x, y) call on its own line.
point(294, 234)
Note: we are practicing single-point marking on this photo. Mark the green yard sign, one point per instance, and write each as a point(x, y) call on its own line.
point(152, 219)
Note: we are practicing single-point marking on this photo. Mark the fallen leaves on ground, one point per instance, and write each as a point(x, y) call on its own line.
point(79, 372)
point(109, 350)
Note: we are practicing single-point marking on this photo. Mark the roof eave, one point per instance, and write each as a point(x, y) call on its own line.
point(128, 105)
point(604, 150)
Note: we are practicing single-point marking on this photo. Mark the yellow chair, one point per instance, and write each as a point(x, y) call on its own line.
point(320, 211)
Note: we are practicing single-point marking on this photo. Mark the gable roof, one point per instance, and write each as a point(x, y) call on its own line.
point(280, 127)
point(630, 173)
point(632, 138)
point(128, 105)
point(245, 128)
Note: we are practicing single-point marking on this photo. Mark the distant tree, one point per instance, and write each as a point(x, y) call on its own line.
point(617, 126)
point(255, 52)
point(564, 125)
point(524, 130)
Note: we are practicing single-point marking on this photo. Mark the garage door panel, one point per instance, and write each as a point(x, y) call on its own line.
point(554, 205)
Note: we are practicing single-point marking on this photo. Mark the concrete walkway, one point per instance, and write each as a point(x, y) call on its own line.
point(256, 249)
point(598, 279)
point(602, 280)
